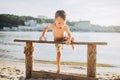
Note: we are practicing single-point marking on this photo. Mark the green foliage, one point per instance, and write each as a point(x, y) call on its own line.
point(9, 20)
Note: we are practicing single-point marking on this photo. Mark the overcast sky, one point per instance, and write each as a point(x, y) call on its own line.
point(102, 12)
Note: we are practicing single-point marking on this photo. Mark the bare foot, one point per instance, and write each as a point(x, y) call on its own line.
point(72, 40)
point(72, 46)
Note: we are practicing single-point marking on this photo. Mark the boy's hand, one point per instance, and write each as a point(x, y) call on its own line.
point(41, 38)
point(67, 42)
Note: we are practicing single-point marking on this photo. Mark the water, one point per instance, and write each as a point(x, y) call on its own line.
point(13, 51)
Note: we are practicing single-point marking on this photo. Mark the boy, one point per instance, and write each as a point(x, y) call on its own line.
point(59, 28)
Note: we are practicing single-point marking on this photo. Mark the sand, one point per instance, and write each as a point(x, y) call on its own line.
point(16, 71)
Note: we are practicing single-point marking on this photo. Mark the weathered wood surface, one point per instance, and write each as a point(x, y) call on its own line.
point(91, 60)
point(28, 50)
point(60, 76)
point(53, 42)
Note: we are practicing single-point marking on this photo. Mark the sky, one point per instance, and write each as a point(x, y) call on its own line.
point(100, 12)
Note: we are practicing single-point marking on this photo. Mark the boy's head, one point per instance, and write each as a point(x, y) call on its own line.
point(60, 18)
point(60, 13)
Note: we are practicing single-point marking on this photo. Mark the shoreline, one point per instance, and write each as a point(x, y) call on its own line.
point(67, 63)
point(16, 70)
point(73, 63)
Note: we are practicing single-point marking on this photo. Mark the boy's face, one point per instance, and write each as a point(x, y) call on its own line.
point(60, 22)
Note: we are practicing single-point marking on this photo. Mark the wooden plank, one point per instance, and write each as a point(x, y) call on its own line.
point(28, 50)
point(53, 42)
point(91, 60)
point(60, 76)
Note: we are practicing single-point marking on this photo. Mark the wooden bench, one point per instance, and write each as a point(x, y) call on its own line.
point(91, 60)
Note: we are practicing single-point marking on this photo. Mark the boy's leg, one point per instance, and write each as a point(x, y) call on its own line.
point(58, 61)
point(58, 49)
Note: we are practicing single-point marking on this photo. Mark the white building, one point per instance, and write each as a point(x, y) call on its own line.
point(40, 27)
point(84, 25)
point(30, 23)
point(14, 28)
point(26, 28)
point(42, 17)
point(6, 28)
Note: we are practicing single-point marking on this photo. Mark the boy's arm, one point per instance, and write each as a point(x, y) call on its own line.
point(44, 31)
point(69, 35)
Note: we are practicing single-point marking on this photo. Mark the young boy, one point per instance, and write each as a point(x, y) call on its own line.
point(59, 28)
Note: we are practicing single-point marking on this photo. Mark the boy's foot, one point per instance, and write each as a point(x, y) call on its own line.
point(72, 40)
point(72, 46)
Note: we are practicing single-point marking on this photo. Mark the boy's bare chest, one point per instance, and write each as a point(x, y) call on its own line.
point(58, 31)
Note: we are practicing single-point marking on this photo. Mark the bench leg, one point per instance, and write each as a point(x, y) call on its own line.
point(28, 50)
point(91, 60)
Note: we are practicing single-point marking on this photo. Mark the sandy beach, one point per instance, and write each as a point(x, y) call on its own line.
point(16, 71)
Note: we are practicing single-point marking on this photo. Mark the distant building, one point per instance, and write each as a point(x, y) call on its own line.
point(14, 28)
point(40, 27)
point(42, 17)
point(30, 23)
point(6, 28)
point(83, 25)
point(26, 28)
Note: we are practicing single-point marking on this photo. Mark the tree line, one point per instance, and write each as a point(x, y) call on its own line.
point(9, 20)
